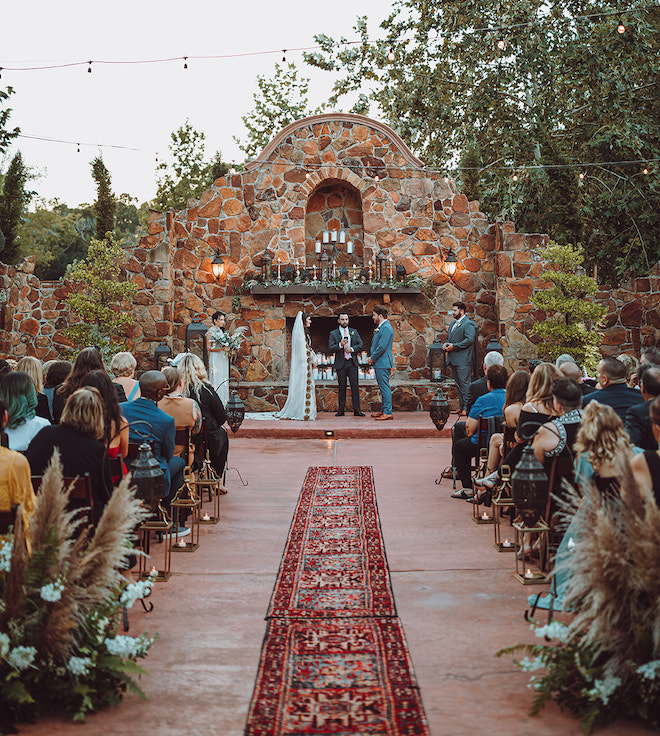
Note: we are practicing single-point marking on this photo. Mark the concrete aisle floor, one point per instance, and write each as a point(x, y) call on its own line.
point(456, 596)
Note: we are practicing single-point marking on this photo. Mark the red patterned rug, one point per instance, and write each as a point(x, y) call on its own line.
point(335, 659)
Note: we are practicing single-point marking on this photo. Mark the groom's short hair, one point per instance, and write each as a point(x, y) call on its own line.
point(380, 309)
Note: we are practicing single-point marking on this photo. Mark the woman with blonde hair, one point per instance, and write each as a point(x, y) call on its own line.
point(79, 440)
point(123, 367)
point(32, 366)
point(195, 385)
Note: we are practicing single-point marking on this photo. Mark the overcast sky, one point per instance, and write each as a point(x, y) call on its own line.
point(138, 106)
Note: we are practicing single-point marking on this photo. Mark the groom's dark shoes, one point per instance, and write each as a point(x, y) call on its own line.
point(339, 414)
point(358, 413)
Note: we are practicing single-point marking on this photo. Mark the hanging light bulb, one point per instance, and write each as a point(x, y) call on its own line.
point(185, 62)
point(501, 43)
point(581, 175)
point(156, 156)
point(89, 68)
point(620, 29)
point(284, 55)
point(390, 55)
point(446, 180)
point(515, 177)
point(645, 170)
point(78, 147)
point(0, 72)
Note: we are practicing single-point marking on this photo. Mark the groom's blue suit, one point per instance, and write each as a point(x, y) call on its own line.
point(381, 357)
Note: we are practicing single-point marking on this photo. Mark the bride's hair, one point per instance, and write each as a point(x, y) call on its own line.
point(193, 374)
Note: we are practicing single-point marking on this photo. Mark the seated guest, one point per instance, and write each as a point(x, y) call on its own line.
point(480, 386)
point(488, 405)
point(5, 368)
point(19, 396)
point(78, 438)
point(638, 419)
point(115, 427)
point(646, 465)
point(650, 354)
point(570, 369)
point(602, 450)
point(195, 385)
point(613, 389)
point(15, 480)
point(632, 364)
point(88, 359)
point(33, 368)
point(55, 373)
point(516, 390)
point(147, 423)
point(186, 412)
point(123, 367)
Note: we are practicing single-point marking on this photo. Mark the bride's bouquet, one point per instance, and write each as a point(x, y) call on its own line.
point(231, 341)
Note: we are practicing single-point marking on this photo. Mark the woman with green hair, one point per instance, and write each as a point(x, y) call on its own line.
point(18, 394)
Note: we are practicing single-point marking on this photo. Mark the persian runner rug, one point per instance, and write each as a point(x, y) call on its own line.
point(335, 659)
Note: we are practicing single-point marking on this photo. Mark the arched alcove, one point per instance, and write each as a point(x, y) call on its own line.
point(333, 206)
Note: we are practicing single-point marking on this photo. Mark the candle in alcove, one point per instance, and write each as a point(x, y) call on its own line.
point(369, 271)
point(334, 268)
point(349, 247)
point(342, 236)
point(389, 267)
point(278, 269)
point(354, 272)
point(314, 267)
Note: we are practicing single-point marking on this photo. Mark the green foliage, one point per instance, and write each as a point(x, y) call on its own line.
point(566, 89)
point(572, 315)
point(187, 175)
point(279, 101)
point(105, 206)
point(6, 135)
point(100, 290)
point(13, 201)
point(470, 172)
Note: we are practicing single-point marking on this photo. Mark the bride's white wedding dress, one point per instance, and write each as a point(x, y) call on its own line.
point(301, 399)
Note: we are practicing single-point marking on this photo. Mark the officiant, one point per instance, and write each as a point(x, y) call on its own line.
point(346, 344)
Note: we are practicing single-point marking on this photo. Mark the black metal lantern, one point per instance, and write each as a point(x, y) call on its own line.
point(306, 275)
point(494, 346)
point(217, 266)
point(162, 352)
point(235, 411)
point(437, 360)
point(194, 331)
point(381, 260)
point(451, 263)
point(289, 273)
point(400, 273)
point(439, 409)
point(148, 476)
point(529, 487)
point(363, 277)
point(343, 273)
point(325, 260)
point(266, 261)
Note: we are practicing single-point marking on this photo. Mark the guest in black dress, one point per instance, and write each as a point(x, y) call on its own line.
point(646, 466)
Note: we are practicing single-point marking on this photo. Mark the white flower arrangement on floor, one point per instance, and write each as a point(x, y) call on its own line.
point(61, 605)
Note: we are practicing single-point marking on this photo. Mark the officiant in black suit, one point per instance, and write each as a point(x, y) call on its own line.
point(346, 343)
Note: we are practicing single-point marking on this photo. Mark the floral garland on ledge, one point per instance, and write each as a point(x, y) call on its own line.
point(338, 284)
point(61, 607)
point(605, 664)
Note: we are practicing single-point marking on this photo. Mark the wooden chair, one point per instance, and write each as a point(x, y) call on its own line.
point(510, 440)
point(81, 491)
point(182, 437)
point(8, 519)
point(116, 465)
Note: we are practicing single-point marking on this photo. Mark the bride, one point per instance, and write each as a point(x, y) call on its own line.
point(218, 357)
point(301, 399)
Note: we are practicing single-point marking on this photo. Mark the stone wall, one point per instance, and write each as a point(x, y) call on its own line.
point(321, 173)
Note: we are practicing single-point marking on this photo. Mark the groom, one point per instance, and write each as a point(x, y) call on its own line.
point(346, 343)
point(381, 359)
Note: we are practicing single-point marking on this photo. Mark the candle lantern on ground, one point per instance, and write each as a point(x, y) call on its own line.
point(439, 409)
point(503, 504)
point(235, 411)
point(186, 507)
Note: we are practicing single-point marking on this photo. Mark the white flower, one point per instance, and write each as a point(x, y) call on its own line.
point(52, 592)
point(603, 689)
point(79, 665)
point(531, 665)
point(128, 646)
point(5, 555)
point(649, 670)
point(135, 591)
point(4, 645)
point(20, 658)
point(554, 630)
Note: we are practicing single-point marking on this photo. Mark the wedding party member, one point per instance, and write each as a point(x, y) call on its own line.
point(218, 356)
point(19, 396)
point(123, 367)
point(459, 352)
point(346, 343)
point(301, 397)
point(381, 359)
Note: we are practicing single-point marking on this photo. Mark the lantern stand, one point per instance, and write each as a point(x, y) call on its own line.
point(197, 327)
point(266, 261)
point(381, 260)
point(187, 498)
point(479, 516)
point(162, 351)
point(502, 503)
point(437, 360)
point(439, 411)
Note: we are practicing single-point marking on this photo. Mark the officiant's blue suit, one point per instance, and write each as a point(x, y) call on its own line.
point(381, 357)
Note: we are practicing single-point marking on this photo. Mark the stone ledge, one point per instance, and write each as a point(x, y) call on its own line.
point(323, 289)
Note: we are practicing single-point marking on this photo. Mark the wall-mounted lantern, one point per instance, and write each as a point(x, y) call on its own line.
point(217, 266)
point(450, 263)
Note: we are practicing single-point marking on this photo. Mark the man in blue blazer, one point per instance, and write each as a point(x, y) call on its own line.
point(459, 352)
point(381, 359)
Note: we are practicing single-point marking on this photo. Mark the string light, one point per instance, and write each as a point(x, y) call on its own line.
point(581, 175)
point(185, 62)
point(78, 147)
point(284, 55)
point(621, 29)
point(89, 68)
point(390, 56)
point(501, 44)
point(645, 170)
point(515, 177)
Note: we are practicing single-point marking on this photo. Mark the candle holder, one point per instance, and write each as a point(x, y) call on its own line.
point(526, 536)
point(187, 499)
point(503, 503)
point(161, 526)
point(208, 480)
point(479, 515)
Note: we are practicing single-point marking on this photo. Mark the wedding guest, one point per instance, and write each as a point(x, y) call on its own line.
point(55, 373)
point(32, 366)
point(19, 396)
point(613, 390)
point(123, 367)
point(87, 360)
point(115, 426)
point(185, 411)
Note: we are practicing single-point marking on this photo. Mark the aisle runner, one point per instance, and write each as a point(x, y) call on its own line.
point(335, 659)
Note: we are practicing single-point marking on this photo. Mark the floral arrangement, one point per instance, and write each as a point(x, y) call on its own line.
point(231, 341)
point(605, 664)
point(61, 605)
point(337, 283)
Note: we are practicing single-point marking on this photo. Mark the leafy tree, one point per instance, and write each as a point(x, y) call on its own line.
point(13, 201)
point(105, 206)
point(6, 135)
point(279, 101)
point(98, 296)
point(187, 175)
point(549, 86)
point(573, 317)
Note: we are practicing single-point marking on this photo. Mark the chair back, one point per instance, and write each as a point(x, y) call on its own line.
point(116, 465)
point(8, 519)
point(81, 491)
point(509, 440)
